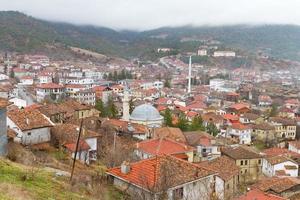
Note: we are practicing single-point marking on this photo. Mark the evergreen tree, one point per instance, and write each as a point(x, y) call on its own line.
point(167, 83)
point(131, 106)
point(123, 74)
point(197, 124)
point(115, 76)
point(168, 117)
point(111, 109)
point(110, 76)
point(100, 106)
point(182, 123)
point(105, 77)
point(212, 129)
point(273, 111)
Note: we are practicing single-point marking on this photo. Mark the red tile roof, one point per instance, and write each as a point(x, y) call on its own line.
point(29, 119)
point(161, 146)
point(231, 117)
point(239, 126)
point(259, 195)
point(280, 151)
point(151, 173)
point(224, 165)
point(81, 147)
point(239, 106)
point(49, 86)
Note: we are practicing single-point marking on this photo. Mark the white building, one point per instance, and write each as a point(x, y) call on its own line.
point(165, 172)
point(26, 80)
point(224, 54)
point(20, 103)
point(86, 96)
point(294, 146)
point(31, 127)
point(44, 79)
point(151, 85)
point(240, 131)
point(51, 90)
point(279, 166)
point(202, 52)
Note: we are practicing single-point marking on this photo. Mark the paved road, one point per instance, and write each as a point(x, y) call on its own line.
point(23, 94)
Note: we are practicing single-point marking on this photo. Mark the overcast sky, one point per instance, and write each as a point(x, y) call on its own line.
point(149, 14)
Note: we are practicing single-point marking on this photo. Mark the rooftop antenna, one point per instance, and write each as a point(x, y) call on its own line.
point(190, 75)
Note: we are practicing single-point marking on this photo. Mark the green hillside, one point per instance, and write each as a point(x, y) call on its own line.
point(22, 33)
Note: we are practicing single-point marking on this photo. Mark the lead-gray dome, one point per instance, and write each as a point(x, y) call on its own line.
point(145, 112)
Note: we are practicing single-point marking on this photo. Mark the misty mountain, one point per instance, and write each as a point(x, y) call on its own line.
point(22, 33)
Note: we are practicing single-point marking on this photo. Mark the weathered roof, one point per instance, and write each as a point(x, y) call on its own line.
point(68, 133)
point(28, 119)
point(240, 152)
point(224, 165)
point(277, 184)
point(169, 132)
point(196, 138)
point(259, 195)
point(161, 146)
point(161, 172)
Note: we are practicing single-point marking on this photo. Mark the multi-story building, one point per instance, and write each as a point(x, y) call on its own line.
point(51, 90)
point(247, 160)
point(284, 128)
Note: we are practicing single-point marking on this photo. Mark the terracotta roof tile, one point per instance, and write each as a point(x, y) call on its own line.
point(161, 146)
point(224, 165)
point(240, 153)
point(277, 184)
point(259, 195)
point(29, 119)
point(161, 171)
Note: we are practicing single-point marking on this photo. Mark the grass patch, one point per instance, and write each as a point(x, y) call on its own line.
point(39, 184)
point(259, 145)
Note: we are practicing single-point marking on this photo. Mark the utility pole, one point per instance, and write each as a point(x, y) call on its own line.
point(76, 149)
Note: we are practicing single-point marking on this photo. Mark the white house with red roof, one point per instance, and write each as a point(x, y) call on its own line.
point(291, 103)
point(280, 166)
point(294, 146)
point(44, 77)
point(52, 90)
point(240, 131)
point(26, 80)
point(151, 178)
point(264, 100)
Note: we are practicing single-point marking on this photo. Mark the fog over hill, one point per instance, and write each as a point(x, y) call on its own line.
point(22, 33)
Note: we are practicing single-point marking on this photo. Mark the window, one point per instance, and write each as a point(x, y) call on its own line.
point(242, 162)
point(259, 161)
point(178, 193)
point(246, 171)
point(246, 162)
point(29, 133)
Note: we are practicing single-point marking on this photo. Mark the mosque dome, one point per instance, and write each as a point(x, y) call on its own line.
point(145, 112)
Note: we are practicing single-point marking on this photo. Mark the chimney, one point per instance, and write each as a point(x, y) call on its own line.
point(125, 167)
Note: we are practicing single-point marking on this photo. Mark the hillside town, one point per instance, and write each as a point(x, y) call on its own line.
point(158, 130)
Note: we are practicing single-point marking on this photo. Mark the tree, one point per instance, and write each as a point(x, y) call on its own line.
point(100, 106)
point(212, 129)
point(111, 109)
point(182, 123)
point(115, 76)
point(168, 117)
point(273, 111)
point(167, 83)
point(131, 106)
point(197, 124)
point(110, 76)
